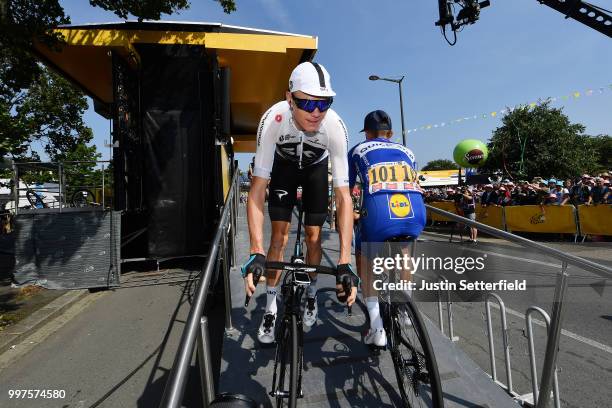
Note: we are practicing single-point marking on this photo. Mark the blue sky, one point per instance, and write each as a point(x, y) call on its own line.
point(519, 51)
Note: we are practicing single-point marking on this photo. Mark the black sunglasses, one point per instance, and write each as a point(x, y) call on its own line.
point(309, 105)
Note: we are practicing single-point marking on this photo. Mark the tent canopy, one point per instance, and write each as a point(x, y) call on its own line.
point(260, 61)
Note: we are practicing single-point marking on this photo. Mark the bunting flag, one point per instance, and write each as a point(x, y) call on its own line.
point(493, 114)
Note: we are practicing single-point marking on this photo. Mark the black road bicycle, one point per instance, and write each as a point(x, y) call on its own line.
point(413, 358)
point(288, 363)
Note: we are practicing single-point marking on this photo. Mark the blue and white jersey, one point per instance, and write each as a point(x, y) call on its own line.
point(392, 198)
point(382, 166)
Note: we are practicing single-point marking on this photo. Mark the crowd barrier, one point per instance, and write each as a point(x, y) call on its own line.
point(595, 220)
point(492, 216)
point(443, 205)
point(566, 219)
point(547, 219)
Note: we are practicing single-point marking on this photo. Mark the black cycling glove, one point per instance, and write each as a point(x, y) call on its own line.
point(256, 265)
point(346, 277)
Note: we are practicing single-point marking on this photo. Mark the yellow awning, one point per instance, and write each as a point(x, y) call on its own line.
point(260, 61)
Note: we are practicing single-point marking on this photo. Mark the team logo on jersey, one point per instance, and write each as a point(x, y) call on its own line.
point(399, 206)
point(280, 194)
point(278, 118)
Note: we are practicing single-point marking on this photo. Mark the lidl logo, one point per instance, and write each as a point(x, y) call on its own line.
point(399, 204)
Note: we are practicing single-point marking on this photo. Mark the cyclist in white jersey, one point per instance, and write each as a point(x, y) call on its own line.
point(295, 139)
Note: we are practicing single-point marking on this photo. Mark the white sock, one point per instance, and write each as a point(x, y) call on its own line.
point(312, 288)
point(374, 312)
point(271, 306)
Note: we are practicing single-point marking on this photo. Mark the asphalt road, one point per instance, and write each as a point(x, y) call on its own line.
point(585, 357)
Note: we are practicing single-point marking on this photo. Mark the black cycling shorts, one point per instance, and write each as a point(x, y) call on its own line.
point(285, 179)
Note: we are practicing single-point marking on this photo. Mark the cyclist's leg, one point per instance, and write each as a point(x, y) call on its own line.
point(367, 245)
point(283, 190)
point(313, 180)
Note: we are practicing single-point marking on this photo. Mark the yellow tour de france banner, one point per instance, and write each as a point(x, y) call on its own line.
point(595, 219)
point(531, 218)
point(491, 215)
point(443, 205)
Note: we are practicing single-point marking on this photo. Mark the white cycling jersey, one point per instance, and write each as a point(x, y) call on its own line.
point(278, 134)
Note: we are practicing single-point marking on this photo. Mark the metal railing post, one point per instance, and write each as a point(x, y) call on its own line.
point(449, 312)
point(235, 220)
point(226, 283)
point(205, 365)
point(440, 319)
point(61, 190)
point(532, 360)
point(506, 344)
point(554, 335)
point(16, 186)
point(103, 205)
point(177, 380)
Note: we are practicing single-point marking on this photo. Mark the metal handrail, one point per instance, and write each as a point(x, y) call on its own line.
point(570, 259)
point(175, 386)
point(532, 360)
point(506, 343)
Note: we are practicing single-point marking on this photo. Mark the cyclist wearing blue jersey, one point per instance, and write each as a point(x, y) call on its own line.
point(392, 202)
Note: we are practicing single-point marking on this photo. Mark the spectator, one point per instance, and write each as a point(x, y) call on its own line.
point(489, 197)
point(450, 194)
point(551, 199)
point(504, 198)
point(561, 193)
point(467, 206)
point(599, 193)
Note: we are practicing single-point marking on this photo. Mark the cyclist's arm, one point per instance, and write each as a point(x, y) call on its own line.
point(338, 146)
point(344, 205)
point(264, 159)
point(255, 213)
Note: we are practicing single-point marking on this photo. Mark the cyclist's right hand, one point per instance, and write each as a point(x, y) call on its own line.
point(251, 271)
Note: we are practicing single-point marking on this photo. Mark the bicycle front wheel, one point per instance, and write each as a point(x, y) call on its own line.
point(413, 359)
point(288, 365)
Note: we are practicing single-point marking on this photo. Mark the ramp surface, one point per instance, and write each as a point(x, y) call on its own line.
point(339, 370)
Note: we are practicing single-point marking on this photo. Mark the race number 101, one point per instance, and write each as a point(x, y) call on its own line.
point(34, 394)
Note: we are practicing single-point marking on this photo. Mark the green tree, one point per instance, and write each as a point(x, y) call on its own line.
point(152, 9)
point(36, 105)
point(540, 141)
point(50, 112)
point(603, 146)
point(440, 164)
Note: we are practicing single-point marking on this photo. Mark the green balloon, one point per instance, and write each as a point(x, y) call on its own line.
point(470, 153)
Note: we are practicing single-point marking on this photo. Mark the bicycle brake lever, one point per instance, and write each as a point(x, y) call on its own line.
point(256, 276)
point(347, 286)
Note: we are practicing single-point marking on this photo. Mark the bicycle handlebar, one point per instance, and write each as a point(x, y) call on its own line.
point(288, 266)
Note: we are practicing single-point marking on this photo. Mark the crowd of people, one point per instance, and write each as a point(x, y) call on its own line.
point(588, 190)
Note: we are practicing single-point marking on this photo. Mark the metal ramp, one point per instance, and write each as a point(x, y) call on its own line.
point(339, 370)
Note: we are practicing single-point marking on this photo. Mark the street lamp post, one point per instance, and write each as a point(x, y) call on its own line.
point(399, 83)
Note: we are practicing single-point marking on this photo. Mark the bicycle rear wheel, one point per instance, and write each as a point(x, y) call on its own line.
point(287, 358)
point(413, 359)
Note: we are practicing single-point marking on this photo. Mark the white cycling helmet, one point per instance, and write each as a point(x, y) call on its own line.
point(312, 79)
